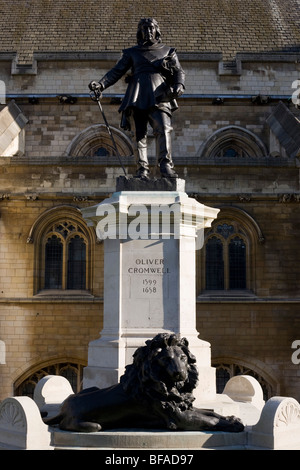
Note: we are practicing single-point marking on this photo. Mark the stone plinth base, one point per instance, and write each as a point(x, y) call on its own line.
point(150, 240)
point(135, 439)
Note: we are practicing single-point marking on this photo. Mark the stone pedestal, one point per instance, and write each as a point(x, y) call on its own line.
point(150, 240)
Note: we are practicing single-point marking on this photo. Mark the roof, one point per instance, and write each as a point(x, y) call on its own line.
point(228, 26)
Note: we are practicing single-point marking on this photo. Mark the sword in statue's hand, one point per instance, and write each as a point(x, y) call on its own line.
point(96, 95)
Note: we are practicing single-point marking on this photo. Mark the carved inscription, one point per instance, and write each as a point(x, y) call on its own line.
point(148, 277)
point(148, 266)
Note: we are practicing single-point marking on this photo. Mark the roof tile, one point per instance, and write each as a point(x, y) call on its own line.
point(227, 26)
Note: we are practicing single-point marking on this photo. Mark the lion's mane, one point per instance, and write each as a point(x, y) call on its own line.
point(143, 381)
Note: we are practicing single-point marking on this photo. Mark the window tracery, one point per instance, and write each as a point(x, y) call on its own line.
point(64, 260)
point(73, 372)
point(225, 371)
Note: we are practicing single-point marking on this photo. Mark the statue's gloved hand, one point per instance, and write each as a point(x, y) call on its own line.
point(178, 90)
point(93, 85)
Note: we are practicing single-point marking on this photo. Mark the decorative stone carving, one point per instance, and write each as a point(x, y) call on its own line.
point(279, 425)
point(289, 198)
point(11, 416)
point(21, 425)
point(31, 197)
point(244, 198)
point(288, 414)
point(80, 198)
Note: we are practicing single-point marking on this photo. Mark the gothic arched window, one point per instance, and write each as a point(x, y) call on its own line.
point(64, 260)
point(63, 251)
point(232, 144)
point(95, 141)
point(227, 260)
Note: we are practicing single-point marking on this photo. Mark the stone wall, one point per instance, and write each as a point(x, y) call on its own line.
point(257, 73)
point(52, 125)
point(41, 333)
point(256, 331)
point(255, 335)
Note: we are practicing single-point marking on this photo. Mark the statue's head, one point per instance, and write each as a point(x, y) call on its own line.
point(148, 31)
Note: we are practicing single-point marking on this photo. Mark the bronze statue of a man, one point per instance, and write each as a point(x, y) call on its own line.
point(156, 79)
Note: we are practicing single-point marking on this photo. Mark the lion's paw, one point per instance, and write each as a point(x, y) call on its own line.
point(87, 426)
point(172, 426)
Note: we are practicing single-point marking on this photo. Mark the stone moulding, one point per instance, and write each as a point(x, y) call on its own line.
point(225, 67)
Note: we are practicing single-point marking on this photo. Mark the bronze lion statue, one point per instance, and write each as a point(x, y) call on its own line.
point(155, 392)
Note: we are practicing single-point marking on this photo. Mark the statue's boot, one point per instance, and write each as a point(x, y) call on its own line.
point(142, 159)
point(167, 170)
point(163, 148)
